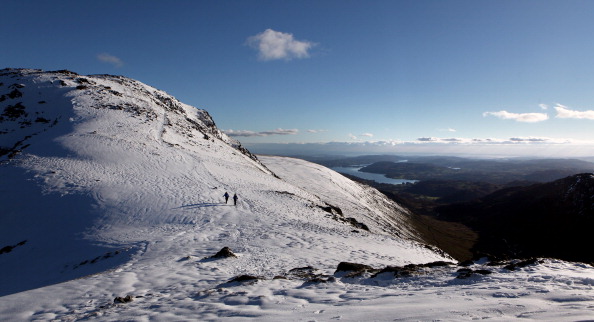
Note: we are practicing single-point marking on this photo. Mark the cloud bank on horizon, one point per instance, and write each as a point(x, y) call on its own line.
point(245, 133)
point(488, 148)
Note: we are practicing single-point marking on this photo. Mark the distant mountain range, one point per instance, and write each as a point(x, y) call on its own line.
point(492, 171)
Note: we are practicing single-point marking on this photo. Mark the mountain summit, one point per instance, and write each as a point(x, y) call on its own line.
point(103, 171)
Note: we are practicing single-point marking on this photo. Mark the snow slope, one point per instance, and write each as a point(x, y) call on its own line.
point(110, 187)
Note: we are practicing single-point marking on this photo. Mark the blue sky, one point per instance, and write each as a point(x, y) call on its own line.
point(486, 77)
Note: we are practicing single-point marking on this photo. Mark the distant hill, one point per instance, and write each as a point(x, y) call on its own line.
point(491, 171)
point(550, 220)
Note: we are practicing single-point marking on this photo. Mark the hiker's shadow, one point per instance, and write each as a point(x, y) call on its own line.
point(202, 205)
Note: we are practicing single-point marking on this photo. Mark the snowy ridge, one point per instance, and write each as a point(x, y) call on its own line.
point(112, 189)
point(370, 204)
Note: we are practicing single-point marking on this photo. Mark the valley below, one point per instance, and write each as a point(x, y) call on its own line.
point(453, 199)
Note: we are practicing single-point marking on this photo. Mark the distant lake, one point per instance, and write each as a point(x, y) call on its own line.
point(377, 177)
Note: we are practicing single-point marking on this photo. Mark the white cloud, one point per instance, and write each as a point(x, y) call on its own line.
point(353, 137)
point(369, 135)
point(273, 45)
point(245, 133)
point(110, 59)
point(544, 106)
point(519, 117)
point(316, 131)
point(565, 113)
point(449, 129)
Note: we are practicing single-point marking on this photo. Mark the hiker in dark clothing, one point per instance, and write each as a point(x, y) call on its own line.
point(226, 195)
point(235, 199)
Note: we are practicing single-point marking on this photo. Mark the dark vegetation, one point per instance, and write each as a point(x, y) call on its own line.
point(545, 220)
point(504, 208)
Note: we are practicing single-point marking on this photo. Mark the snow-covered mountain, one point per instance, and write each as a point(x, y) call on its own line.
point(112, 189)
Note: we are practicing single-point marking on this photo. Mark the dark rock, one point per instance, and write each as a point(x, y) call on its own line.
point(467, 272)
point(521, 264)
point(466, 263)
point(42, 120)
point(14, 111)
point(245, 278)
point(317, 279)
point(122, 300)
point(9, 248)
point(15, 93)
point(352, 267)
point(331, 209)
point(437, 264)
point(397, 271)
point(307, 273)
point(225, 252)
point(357, 224)
point(65, 71)
point(301, 270)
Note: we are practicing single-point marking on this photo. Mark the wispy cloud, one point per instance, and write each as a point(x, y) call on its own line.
point(564, 112)
point(278, 131)
point(519, 117)
point(449, 129)
point(316, 131)
point(110, 59)
point(356, 137)
point(482, 141)
point(274, 45)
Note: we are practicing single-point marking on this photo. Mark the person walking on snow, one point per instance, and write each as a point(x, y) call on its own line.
point(226, 195)
point(235, 199)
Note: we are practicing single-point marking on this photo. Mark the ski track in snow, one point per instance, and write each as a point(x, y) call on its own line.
point(113, 205)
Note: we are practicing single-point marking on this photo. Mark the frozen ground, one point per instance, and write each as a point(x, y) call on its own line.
point(121, 193)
